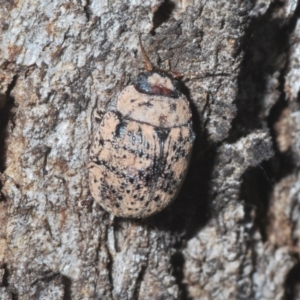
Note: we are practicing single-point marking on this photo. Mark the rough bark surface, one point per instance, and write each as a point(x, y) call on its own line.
point(234, 230)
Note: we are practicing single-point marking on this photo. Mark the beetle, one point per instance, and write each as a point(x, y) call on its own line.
point(140, 153)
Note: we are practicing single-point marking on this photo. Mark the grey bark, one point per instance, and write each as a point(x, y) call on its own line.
point(233, 232)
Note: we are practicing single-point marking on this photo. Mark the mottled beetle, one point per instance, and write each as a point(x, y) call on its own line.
point(140, 153)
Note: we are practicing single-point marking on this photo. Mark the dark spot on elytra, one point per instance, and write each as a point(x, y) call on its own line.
point(120, 198)
point(131, 180)
point(162, 134)
point(134, 196)
point(147, 104)
point(120, 129)
point(117, 205)
point(132, 100)
point(98, 162)
point(162, 119)
point(156, 198)
point(142, 198)
point(127, 191)
point(173, 106)
point(138, 186)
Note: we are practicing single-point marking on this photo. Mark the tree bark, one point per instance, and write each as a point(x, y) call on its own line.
point(233, 232)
